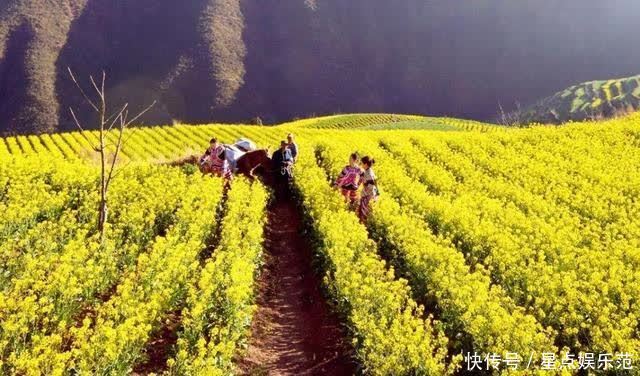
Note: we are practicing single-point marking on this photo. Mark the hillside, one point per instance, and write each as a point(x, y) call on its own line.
point(180, 140)
point(144, 58)
point(588, 100)
point(235, 60)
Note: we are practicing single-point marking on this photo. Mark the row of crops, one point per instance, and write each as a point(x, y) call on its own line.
point(157, 144)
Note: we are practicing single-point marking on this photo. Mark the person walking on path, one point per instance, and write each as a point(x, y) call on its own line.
point(349, 180)
point(283, 163)
point(215, 160)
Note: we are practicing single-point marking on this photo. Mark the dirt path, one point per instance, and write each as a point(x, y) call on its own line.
point(293, 332)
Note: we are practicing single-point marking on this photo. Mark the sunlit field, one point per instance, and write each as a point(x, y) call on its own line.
point(518, 243)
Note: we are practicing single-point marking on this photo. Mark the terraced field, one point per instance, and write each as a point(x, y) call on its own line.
point(589, 100)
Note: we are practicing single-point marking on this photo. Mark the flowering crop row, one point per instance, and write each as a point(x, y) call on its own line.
point(220, 302)
point(173, 142)
point(575, 176)
point(50, 189)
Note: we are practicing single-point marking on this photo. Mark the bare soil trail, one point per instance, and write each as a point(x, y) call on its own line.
point(293, 332)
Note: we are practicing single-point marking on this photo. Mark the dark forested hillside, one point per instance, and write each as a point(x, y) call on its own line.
point(233, 60)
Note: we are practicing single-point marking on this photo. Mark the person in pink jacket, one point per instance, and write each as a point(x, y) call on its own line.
point(349, 180)
point(215, 160)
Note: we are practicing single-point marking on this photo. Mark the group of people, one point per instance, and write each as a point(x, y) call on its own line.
point(359, 173)
point(357, 181)
point(216, 157)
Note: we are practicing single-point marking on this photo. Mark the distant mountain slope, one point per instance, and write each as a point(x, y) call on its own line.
point(188, 56)
point(32, 34)
point(235, 60)
point(589, 100)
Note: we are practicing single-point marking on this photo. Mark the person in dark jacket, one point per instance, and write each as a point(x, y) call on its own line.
point(283, 164)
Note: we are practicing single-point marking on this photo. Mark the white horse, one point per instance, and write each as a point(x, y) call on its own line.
point(234, 152)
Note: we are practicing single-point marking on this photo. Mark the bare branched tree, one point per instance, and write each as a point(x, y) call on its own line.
point(117, 122)
point(510, 119)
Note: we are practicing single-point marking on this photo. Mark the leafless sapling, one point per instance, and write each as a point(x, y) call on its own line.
point(117, 122)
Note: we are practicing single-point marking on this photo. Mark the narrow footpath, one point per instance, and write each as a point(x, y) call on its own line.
point(294, 331)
